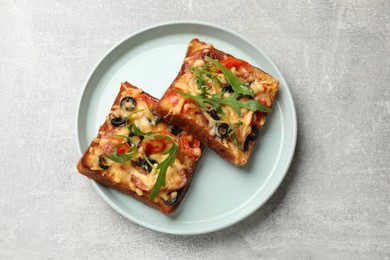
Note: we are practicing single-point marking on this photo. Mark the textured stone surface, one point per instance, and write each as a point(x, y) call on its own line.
point(334, 202)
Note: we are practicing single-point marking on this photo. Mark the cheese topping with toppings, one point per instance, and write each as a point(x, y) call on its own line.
point(204, 85)
point(132, 147)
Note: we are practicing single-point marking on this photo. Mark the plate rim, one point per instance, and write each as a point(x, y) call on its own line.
point(294, 124)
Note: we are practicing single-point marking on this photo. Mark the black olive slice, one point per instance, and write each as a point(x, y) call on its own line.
point(118, 121)
point(147, 167)
point(254, 134)
point(139, 162)
point(175, 130)
point(221, 130)
point(140, 138)
point(246, 145)
point(251, 137)
point(128, 103)
point(101, 163)
point(227, 88)
point(214, 114)
point(171, 198)
point(156, 120)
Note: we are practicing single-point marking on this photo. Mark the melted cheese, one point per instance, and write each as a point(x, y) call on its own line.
point(257, 87)
point(147, 179)
point(118, 171)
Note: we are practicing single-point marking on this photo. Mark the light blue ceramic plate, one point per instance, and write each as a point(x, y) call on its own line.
point(220, 194)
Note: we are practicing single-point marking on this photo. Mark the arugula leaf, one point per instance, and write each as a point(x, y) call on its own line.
point(204, 71)
point(217, 100)
point(135, 112)
point(120, 158)
point(237, 85)
point(133, 128)
point(163, 166)
point(231, 131)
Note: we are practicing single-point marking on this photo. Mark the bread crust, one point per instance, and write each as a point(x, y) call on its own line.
point(197, 50)
point(101, 177)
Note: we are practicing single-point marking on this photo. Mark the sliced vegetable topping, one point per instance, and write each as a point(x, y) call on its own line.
point(118, 121)
point(237, 63)
point(102, 162)
point(128, 103)
point(189, 146)
point(214, 114)
point(170, 198)
point(175, 130)
point(145, 165)
point(227, 88)
point(221, 130)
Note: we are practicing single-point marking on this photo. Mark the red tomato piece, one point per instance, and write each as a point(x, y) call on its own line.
point(124, 148)
point(257, 117)
point(173, 97)
point(154, 146)
point(237, 63)
point(189, 146)
point(157, 144)
point(262, 102)
point(186, 108)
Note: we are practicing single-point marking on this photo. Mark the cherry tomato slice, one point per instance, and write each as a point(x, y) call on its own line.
point(237, 63)
point(263, 102)
point(186, 108)
point(189, 146)
point(173, 97)
point(157, 144)
point(124, 148)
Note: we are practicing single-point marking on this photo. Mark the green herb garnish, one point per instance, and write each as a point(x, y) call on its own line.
point(217, 100)
point(122, 157)
point(134, 129)
point(163, 166)
point(203, 72)
point(205, 99)
point(231, 131)
point(237, 85)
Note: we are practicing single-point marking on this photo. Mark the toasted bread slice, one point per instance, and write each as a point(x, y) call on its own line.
point(133, 147)
point(222, 107)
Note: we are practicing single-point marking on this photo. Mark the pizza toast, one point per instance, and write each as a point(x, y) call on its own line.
point(137, 153)
point(221, 100)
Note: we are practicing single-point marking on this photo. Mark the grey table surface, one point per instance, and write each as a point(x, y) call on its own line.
point(335, 200)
